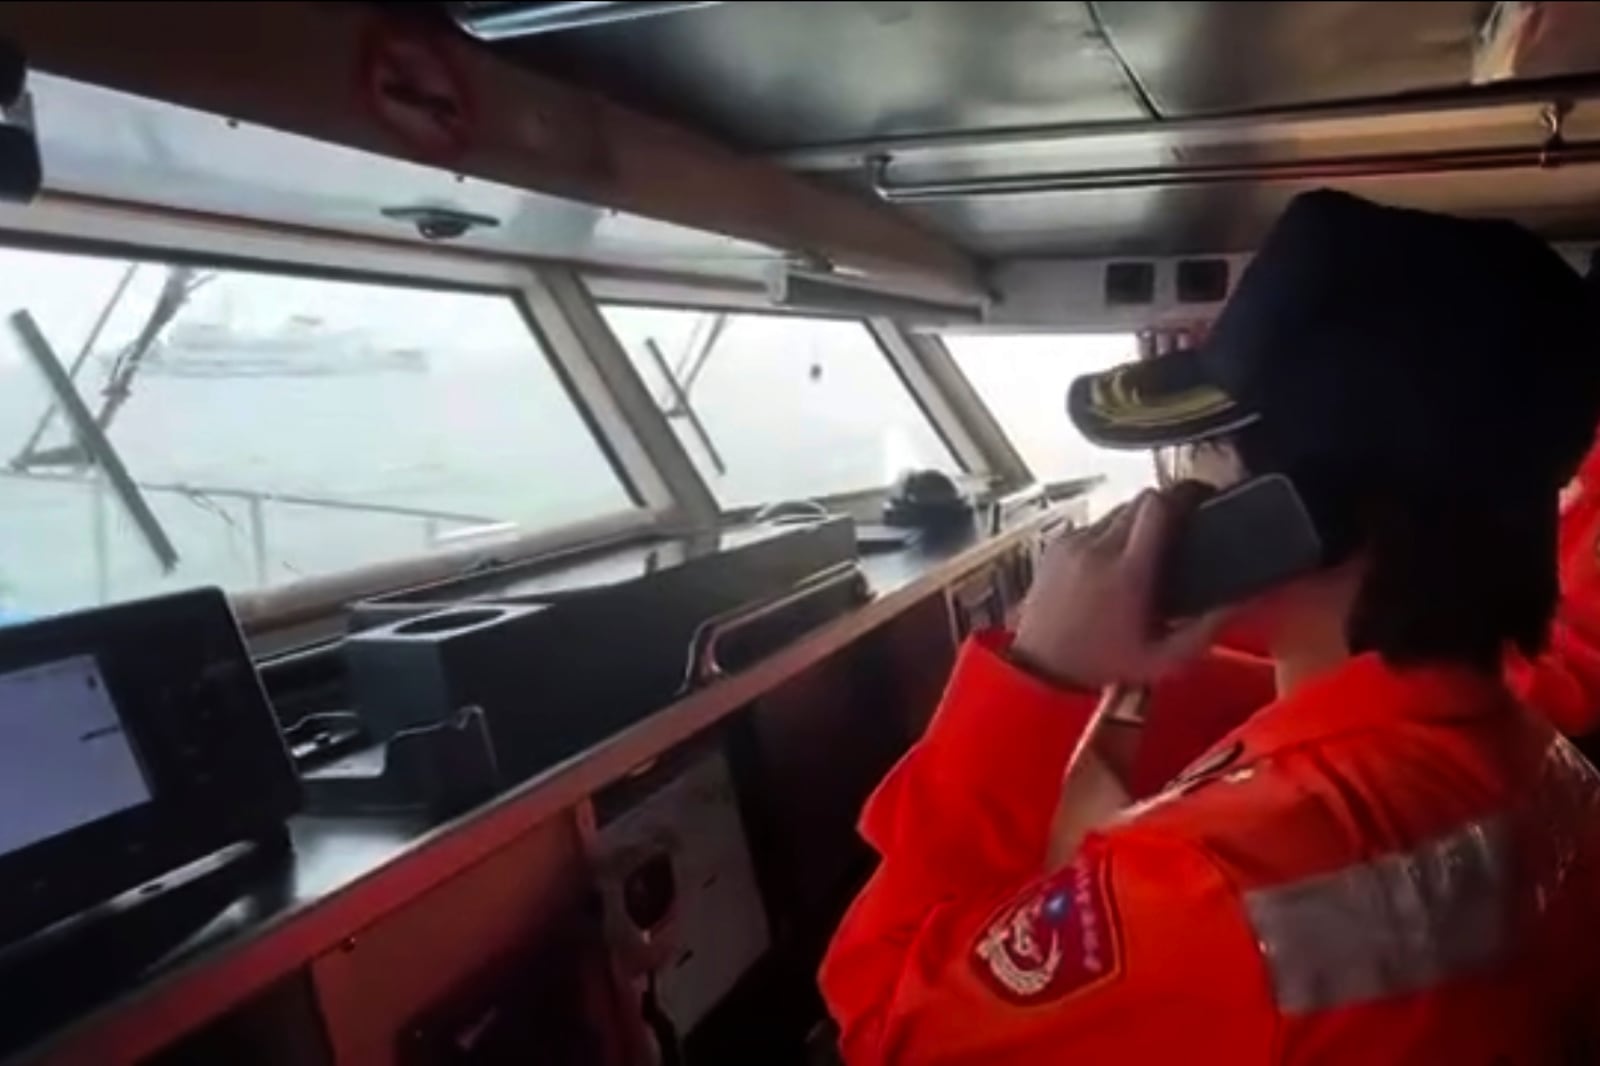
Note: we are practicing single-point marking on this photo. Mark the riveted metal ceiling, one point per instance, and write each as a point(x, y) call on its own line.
point(1132, 127)
point(1209, 58)
point(780, 75)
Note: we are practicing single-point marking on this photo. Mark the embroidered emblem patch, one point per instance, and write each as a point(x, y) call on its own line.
point(1061, 937)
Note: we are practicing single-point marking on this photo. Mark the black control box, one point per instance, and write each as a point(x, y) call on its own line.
point(557, 669)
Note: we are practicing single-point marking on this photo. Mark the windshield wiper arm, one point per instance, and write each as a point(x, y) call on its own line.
point(92, 438)
point(681, 406)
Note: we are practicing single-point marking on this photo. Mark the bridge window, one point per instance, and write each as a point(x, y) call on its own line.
point(269, 428)
point(1023, 379)
point(774, 407)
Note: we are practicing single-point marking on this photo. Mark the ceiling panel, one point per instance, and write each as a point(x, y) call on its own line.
point(1184, 187)
point(780, 75)
point(1203, 58)
point(917, 80)
point(1562, 203)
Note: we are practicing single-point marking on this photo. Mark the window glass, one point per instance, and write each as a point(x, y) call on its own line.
point(1023, 378)
point(776, 407)
point(276, 427)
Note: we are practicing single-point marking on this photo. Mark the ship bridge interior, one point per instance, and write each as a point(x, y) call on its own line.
point(582, 435)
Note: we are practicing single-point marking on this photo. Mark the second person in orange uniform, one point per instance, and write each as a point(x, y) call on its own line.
point(1563, 682)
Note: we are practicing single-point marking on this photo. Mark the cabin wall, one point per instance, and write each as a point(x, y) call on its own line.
point(431, 966)
point(281, 1025)
point(1071, 295)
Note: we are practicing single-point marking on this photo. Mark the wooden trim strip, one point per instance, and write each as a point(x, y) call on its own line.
point(320, 70)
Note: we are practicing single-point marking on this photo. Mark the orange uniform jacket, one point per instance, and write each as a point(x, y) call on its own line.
point(1564, 682)
point(1384, 867)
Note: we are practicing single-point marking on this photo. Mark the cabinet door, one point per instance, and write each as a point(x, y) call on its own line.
point(502, 963)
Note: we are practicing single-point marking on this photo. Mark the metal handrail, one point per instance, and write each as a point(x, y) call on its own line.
point(705, 663)
point(254, 500)
point(186, 489)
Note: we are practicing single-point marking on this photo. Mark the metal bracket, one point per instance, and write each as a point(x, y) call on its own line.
point(878, 174)
point(1554, 118)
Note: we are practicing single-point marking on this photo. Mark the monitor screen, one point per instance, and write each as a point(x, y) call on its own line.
point(65, 759)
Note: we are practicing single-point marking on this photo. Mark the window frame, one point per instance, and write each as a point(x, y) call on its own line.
point(305, 610)
point(898, 347)
point(999, 424)
point(560, 303)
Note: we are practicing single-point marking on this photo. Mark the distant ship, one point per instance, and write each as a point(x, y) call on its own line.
point(303, 346)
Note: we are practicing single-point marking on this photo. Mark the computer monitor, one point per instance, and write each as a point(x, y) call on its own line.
point(134, 739)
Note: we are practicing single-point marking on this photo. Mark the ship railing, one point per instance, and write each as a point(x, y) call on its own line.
point(437, 527)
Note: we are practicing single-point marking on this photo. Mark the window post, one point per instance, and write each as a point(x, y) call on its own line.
point(952, 405)
point(625, 416)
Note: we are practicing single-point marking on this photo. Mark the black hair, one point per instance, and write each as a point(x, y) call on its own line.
point(1455, 578)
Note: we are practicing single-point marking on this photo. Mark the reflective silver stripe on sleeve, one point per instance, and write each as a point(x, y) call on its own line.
point(1396, 924)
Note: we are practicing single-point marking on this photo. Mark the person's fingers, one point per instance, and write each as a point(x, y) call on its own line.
point(1188, 640)
point(1144, 553)
point(1094, 529)
point(1148, 532)
point(1185, 495)
point(1114, 532)
point(1069, 541)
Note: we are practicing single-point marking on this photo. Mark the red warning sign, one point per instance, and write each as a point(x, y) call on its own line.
point(415, 91)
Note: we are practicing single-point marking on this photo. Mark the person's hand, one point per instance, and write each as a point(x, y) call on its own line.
point(1089, 620)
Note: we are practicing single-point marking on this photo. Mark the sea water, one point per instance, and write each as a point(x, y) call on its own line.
point(484, 435)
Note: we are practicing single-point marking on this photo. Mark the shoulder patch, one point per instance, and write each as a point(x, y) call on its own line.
point(1060, 937)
